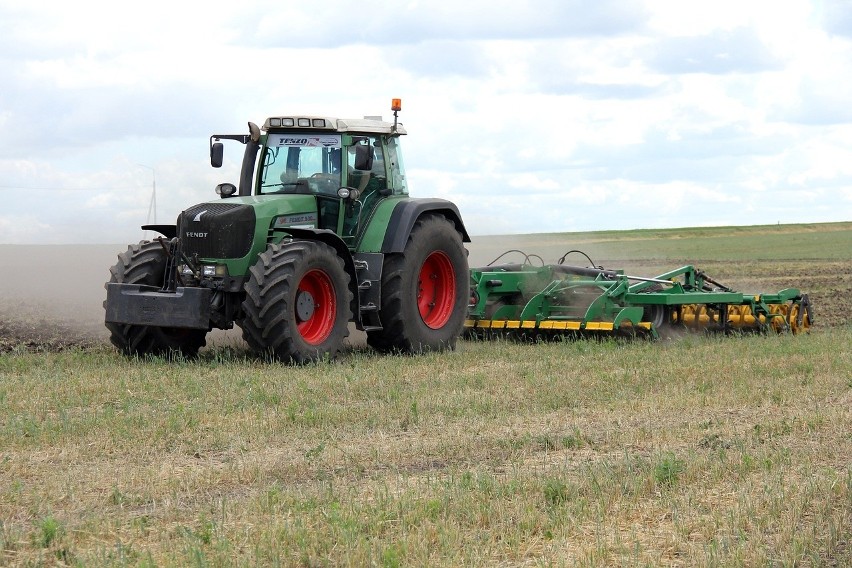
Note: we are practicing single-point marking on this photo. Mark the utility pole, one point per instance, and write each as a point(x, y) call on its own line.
point(152, 206)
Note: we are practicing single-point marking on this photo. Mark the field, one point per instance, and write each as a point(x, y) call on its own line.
point(700, 451)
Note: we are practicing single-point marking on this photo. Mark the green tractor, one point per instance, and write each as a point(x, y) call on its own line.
point(319, 233)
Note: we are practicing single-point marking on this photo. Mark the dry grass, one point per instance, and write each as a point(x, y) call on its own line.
point(698, 452)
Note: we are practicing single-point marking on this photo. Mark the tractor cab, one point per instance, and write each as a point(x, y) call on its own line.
point(348, 165)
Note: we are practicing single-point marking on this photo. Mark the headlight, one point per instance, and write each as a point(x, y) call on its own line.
point(210, 270)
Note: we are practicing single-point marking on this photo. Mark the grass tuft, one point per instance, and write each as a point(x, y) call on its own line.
point(49, 531)
point(667, 470)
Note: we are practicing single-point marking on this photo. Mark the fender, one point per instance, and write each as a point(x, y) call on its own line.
point(406, 213)
point(331, 239)
point(168, 231)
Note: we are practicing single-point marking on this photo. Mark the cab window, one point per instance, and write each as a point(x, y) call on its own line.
point(297, 163)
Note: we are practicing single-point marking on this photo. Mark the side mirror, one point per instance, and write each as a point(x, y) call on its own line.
point(226, 190)
point(217, 153)
point(363, 157)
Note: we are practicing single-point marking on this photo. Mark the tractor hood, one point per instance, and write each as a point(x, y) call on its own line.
point(236, 229)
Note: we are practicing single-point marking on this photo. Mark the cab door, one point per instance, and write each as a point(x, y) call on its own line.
point(366, 172)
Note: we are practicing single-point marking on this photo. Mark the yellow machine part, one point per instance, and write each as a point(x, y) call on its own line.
point(742, 317)
point(797, 313)
point(552, 325)
point(782, 317)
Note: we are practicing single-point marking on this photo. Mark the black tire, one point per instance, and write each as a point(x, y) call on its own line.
point(410, 324)
point(660, 316)
point(145, 263)
point(285, 290)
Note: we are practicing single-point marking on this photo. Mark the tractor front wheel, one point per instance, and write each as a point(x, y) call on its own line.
point(425, 290)
point(145, 263)
point(297, 302)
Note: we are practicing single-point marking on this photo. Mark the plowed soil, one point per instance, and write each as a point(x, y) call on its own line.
point(32, 328)
point(51, 296)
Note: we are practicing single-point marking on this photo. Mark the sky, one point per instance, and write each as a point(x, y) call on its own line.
point(532, 116)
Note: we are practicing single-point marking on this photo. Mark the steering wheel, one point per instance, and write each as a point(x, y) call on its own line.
point(326, 181)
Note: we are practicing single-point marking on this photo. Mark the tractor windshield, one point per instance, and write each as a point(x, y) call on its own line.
point(301, 163)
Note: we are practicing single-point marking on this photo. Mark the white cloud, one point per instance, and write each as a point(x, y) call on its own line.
point(527, 180)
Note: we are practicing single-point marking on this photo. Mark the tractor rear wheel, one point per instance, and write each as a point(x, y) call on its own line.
point(425, 290)
point(145, 263)
point(297, 302)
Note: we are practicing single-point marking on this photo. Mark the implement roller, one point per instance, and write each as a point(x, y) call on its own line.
point(560, 299)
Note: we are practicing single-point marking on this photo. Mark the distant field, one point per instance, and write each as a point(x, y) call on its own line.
point(703, 451)
point(826, 241)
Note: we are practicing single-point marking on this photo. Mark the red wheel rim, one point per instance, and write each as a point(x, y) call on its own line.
point(436, 290)
point(316, 326)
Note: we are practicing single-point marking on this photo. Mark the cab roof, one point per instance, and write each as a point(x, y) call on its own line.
point(330, 124)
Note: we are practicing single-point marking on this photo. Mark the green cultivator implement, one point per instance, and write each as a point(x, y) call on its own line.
point(559, 299)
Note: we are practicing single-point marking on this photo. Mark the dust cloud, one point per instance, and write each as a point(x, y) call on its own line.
point(53, 295)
